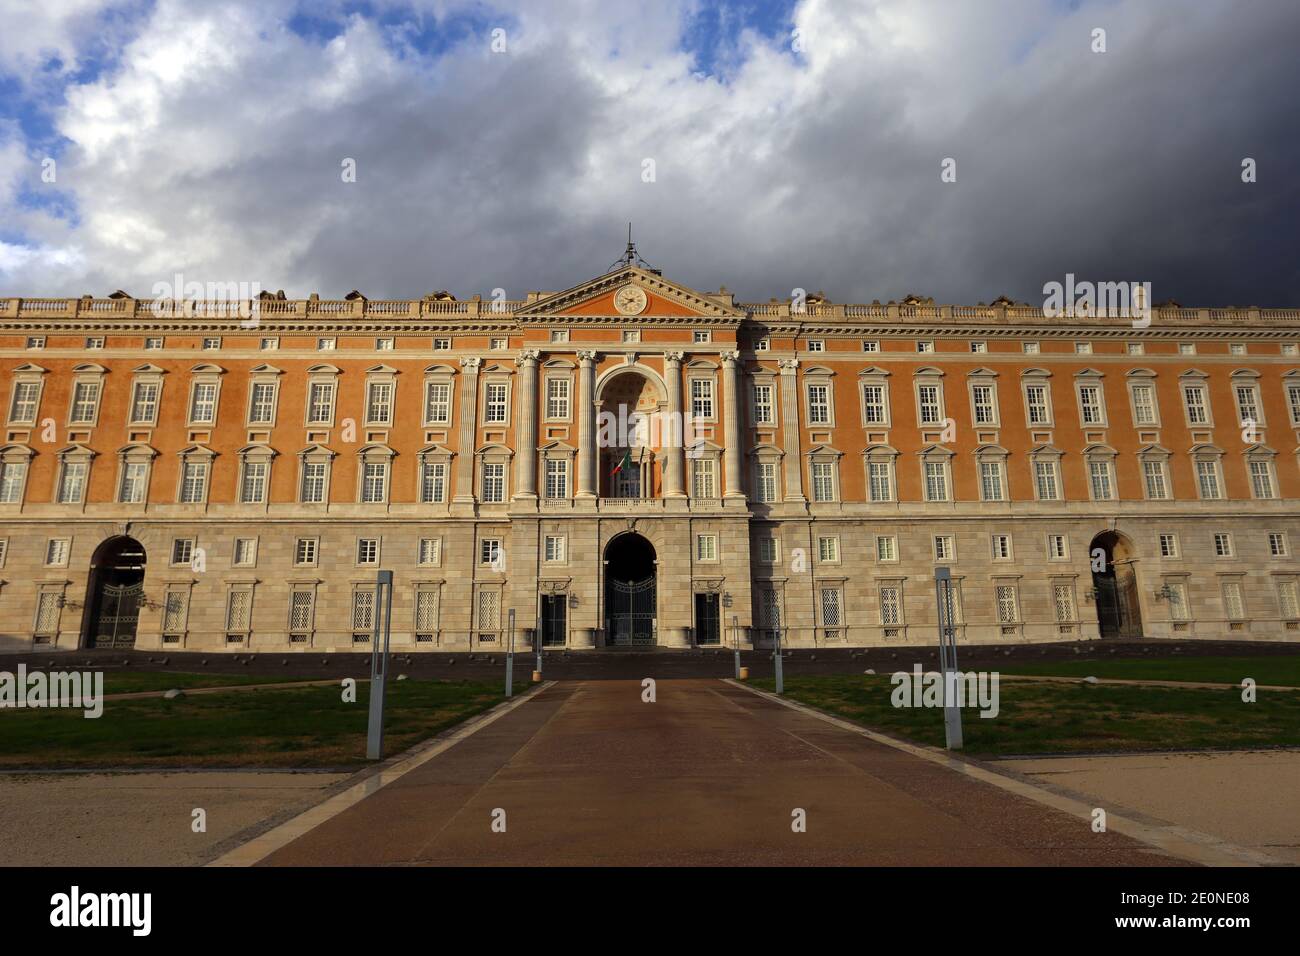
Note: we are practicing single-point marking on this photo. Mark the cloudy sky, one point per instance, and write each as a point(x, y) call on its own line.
point(794, 144)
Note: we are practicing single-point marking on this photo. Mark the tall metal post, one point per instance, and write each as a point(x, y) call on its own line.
point(780, 675)
point(735, 640)
point(379, 663)
point(948, 657)
point(510, 656)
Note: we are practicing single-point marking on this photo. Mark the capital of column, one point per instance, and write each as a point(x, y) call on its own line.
point(788, 365)
point(587, 356)
point(529, 356)
point(730, 358)
point(471, 364)
point(674, 358)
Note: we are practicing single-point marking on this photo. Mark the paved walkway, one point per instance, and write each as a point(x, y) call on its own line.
point(586, 773)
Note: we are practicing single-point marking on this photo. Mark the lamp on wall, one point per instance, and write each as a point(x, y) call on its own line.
point(1164, 592)
point(1090, 595)
point(573, 599)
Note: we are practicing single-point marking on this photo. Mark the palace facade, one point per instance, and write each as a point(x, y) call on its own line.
point(172, 478)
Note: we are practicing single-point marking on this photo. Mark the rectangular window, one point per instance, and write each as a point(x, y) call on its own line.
point(72, 482)
point(270, 344)
point(367, 551)
point(1046, 486)
point(891, 606)
point(886, 547)
point(1234, 604)
point(132, 488)
point(553, 551)
point(1288, 599)
point(429, 552)
point(47, 613)
point(763, 405)
point(433, 482)
point(871, 345)
point(176, 605)
point(1261, 479)
point(819, 404)
point(765, 485)
point(557, 478)
point(557, 398)
point(768, 551)
point(1179, 608)
point(374, 481)
point(1134, 348)
point(703, 484)
point(1237, 348)
point(1001, 547)
point(1144, 405)
point(325, 345)
point(144, 403)
point(304, 552)
point(1223, 544)
point(816, 345)
point(302, 610)
point(203, 403)
point(320, 403)
point(1194, 399)
point(379, 403)
point(1153, 474)
point(880, 481)
point(1100, 481)
point(991, 480)
point(1029, 348)
point(1293, 402)
point(1008, 606)
point(85, 398)
point(1058, 547)
point(1090, 405)
point(211, 344)
point(495, 404)
point(12, 476)
point(489, 552)
point(1207, 479)
point(927, 397)
point(384, 345)
point(706, 547)
point(936, 481)
point(153, 343)
point(442, 345)
point(832, 602)
point(489, 605)
point(56, 552)
point(182, 550)
point(559, 335)
point(702, 398)
point(1063, 603)
point(252, 489)
point(38, 342)
point(313, 481)
point(261, 406)
point(979, 347)
point(437, 403)
point(984, 406)
point(1082, 348)
point(874, 405)
point(194, 482)
point(823, 481)
point(1277, 546)
point(1247, 404)
point(1039, 411)
point(925, 345)
point(943, 547)
point(1186, 348)
point(1169, 546)
point(699, 337)
point(631, 335)
point(494, 482)
point(828, 549)
point(245, 553)
point(363, 611)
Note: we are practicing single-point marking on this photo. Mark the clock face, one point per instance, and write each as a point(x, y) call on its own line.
point(631, 300)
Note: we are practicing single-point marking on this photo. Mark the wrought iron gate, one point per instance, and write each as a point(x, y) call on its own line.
point(554, 612)
point(119, 612)
point(707, 619)
point(631, 615)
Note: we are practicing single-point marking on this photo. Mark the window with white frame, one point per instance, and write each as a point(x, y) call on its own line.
point(875, 403)
point(13, 478)
point(1277, 544)
point(1262, 484)
point(871, 345)
point(212, 343)
point(703, 478)
point(1248, 408)
point(1179, 607)
point(1155, 480)
point(379, 403)
point(325, 344)
point(429, 552)
point(302, 612)
point(304, 552)
point(925, 345)
point(559, 335)
point(1195, 404)
point(203, 403)
point(72, 481)
point(1008, 604)
point(702, 398)
point(433, 481)
point(1207, 479)
point(374, 482)
point(1092, 407)
point(1058, 547)
point(631, 335)
point(1082, 348)
point(269, 344)
point(1223, 546)
point(85, 403)
point(244, 553)
point(936, 480)
point(490, 553)
point(823, 480)
point(944, 548)
point(816, 345)
point(437, 403)
point(261, 403)
point(494, 482)
point(886, 547)
point(57, 551)
point(1134, 348)
point(1029, 348)
point(828, 549)
point(557, 399)
point(832, 607)
point(880, 477)
point(496, 403)
point(1293, 400)
point(1001, 547)
point(1145, 410)
point(1047, 483)
point(320, 402)
point(367, 550)
point(383, 345)
point(992, 484)
point(984, 408)
point(891, 605)
point(1168, 545)
point(1101, 479)
point(253, 481)
point(144, 402)
point(442, 344)
point(1234, 602)
point(764, 409)
point(1063, 603)
point(979, 346)
point(182, 551)
point(194, 482)
point(1186, 348)
point(929, 403)
point(765, 481)
point(1038, 403)
point(315, 480)
point(557, 478)
point(553, 548)
point(706, 547)
point(1236, 348)
point(1288, 599)
point(769, 551)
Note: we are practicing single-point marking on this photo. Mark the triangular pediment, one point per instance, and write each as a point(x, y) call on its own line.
point(596, 299)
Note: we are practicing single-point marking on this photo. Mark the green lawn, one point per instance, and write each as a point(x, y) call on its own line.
point(134, 682)
point(293, 727)
point(1278, 670)
point(1037, 718)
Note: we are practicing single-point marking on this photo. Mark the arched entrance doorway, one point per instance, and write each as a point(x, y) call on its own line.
point(114, 593)
point(1115, 585)
point(632, 429)
point(630, 600)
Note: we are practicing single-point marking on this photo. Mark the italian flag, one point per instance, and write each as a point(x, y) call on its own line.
point(624, 462)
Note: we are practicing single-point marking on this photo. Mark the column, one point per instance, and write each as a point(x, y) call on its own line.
point(790, 425)
point(586, 424)
point(526, 432)
point(675, 462)
point(468, 430)
point(734, 488)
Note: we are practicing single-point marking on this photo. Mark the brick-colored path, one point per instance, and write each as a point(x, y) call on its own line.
point(709, 774)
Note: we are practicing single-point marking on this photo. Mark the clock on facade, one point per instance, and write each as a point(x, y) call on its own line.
point(631, 300)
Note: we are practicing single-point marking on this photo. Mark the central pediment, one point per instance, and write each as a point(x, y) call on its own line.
point(629, 294)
